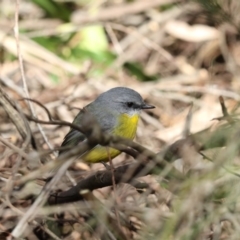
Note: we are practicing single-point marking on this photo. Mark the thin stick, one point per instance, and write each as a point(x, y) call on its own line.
point(25, 88)
point(187, 126)
point(114, 186)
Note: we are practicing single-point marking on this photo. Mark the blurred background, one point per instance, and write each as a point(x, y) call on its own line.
point(173, 52)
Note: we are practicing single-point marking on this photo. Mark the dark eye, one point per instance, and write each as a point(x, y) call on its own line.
point(130, 104)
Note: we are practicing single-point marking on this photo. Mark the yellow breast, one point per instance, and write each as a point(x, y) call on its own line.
point(126, 127)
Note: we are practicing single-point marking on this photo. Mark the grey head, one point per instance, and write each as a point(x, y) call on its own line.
point(123, 100)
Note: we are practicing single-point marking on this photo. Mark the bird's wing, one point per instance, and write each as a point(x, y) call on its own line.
point(73, 137)
point(105, 118)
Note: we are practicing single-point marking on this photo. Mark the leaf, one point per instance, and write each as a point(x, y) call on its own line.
point(54, 9)
point(93, 39)
point(136, 70)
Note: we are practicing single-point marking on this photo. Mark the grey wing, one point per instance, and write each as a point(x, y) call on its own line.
point(105, 119)
point(73, 137)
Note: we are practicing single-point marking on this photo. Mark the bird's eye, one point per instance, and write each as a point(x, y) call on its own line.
point(130, 104)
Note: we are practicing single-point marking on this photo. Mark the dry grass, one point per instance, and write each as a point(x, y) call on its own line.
point(195, 56)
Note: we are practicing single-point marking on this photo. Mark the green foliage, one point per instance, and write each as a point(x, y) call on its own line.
point(215, 9)
point(136, 70)
point(54, 78)
point(93, 45)
point(93, 39)
point(54, 9)
point(51, 43)
point(89, 43)
point(6, 56)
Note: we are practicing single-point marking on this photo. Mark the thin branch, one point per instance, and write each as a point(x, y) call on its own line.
point(112, 12)
point(41, 105)
point(187, 126)
point(25, 87)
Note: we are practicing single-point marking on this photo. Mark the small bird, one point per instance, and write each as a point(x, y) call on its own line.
point(117, 112)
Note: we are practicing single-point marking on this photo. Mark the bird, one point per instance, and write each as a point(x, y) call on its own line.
point(117, 112)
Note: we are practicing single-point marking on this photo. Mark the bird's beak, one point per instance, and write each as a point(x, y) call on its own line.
point(146, 106)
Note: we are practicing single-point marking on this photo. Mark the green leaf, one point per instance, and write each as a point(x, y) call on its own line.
point(54, 9)
point(93, 39)
point(136, 70)
point(93, 45)
point(51, 43)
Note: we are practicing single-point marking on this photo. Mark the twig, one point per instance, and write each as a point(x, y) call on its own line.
point(214, 91)
point(225, 113)
point(114, 186)
point(228, 170)
point(25, 87)
point(223, 106)
point(41, 105)
point(101, 179)
point(13, 114)
point(187, 126)
point(20, 60)
point(80, 17)
point(40, 201)
point(116, 45)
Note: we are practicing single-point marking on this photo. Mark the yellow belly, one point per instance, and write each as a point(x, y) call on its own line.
point(126, 128)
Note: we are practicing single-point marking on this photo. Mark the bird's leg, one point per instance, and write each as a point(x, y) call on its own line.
point(114, 186)
point(111, 168)
point(106, 166)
